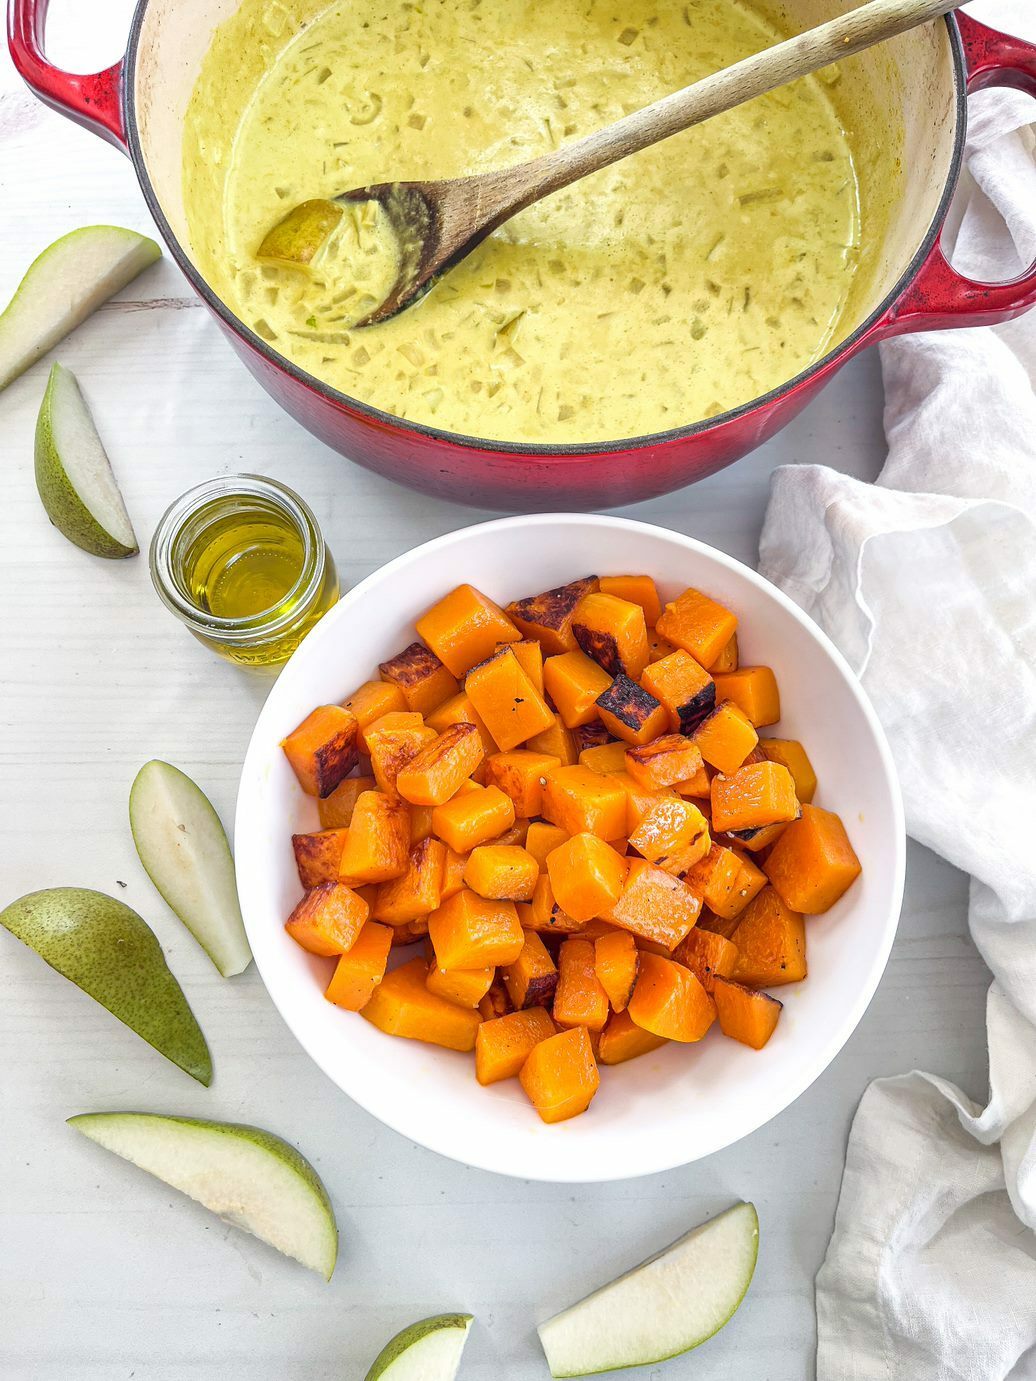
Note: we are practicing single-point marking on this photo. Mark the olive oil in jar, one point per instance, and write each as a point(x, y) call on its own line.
point(242, 563)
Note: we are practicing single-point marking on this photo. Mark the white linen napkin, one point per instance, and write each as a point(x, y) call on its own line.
point(927, 581)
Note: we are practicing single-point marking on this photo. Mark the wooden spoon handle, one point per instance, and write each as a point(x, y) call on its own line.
point(861, 28)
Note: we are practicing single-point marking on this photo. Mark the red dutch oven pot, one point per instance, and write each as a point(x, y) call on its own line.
point(138, 105)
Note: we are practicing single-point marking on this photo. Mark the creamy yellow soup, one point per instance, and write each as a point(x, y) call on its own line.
point(679, 283)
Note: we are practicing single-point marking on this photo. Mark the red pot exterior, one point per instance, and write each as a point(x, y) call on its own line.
point(933, 297)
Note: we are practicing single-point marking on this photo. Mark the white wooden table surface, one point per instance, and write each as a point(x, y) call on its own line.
point(105, 1274)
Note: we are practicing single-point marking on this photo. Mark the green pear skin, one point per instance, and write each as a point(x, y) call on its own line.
point(105, 948)
point(429, 1350)
point(74, 477)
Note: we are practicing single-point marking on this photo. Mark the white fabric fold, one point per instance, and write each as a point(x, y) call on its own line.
point(927, 581)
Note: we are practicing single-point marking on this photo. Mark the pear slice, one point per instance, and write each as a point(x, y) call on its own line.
point(183, 847)
point(426, 1351)
point(61, 288)
point(663, 1307)
point(295, 241)
point(251, 1178)
point(104, 947)
point(74, 476)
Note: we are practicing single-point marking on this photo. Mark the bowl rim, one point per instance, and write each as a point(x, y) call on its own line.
point(431, 1135)
point(571, 452)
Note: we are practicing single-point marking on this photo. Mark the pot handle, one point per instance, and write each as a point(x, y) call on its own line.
point(93, 101)
point(939, 296)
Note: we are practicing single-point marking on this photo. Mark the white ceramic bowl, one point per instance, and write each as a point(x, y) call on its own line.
point(663, 1109)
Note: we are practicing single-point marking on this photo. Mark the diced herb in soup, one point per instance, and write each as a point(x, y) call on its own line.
point(675, 285)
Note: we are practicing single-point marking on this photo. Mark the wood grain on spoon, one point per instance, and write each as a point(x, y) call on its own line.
point(438, 223)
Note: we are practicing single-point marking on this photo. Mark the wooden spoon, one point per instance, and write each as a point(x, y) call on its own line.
point(439, 223)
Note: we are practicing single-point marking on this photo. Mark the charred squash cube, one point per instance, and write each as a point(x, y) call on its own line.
point(632, 713)
point(318, 856)
point(547, 617)
point(591, 735)
point(684, 687)
point(422, 678)
point(323, 749)
point(612, 632)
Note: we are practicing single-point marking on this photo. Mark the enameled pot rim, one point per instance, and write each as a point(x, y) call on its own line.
point(570, 451)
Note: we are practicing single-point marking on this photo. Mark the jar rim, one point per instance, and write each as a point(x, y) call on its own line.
point(252, 627)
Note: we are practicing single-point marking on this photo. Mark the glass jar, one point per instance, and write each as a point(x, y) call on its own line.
point(242, 564)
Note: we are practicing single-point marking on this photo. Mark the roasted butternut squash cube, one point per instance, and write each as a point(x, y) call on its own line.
point(606, 758)
point(530, 659)
point(470, 932)
point(592, 735)
point(378, 846)
point(409, 934)
point(631, 713)
point(726, 737)
point(579, 999)
point(502, 872)
point(453, 872)
point(669, 1001)
point(758, 794)
point(795, 758)
point(673, 834)
point(547, 618)
point(715, 877)
point(372, 701)
point(434, 773)
point(556, 741)
point(667, 761)
point(658, 647)
point(754, 690)
point(318, 856)
point(472, 818)
point(686, 690)
point(654, 905)
point(421, 676)
point(574, 681)
point(813, 862)
point(699, 786)
point(617, 962)
point(323, 749)
point(728, 658)
point(750, 882)
point(401, 1005)
point(510, 705)
point(496, 1003)
point(520, 774)
point(418, 891)
point(560, 1075)
point(336, 811)
point(504, 1043)
point(545, 915)
point(699, 625)
point(640, 800)
point(587, 876)
point(459, 710)
point(771, 943)
point(581, 801)
point(328, 919)
point(707, 955)
point(622, 1039)
point(542, 839)
point(532, 978)
point(637, 589)
point(755, 840)
point(745, 1015)
point(465, 987)
point(465, 627)
point(393, 741)
point(360, 970)
point(613, 633)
